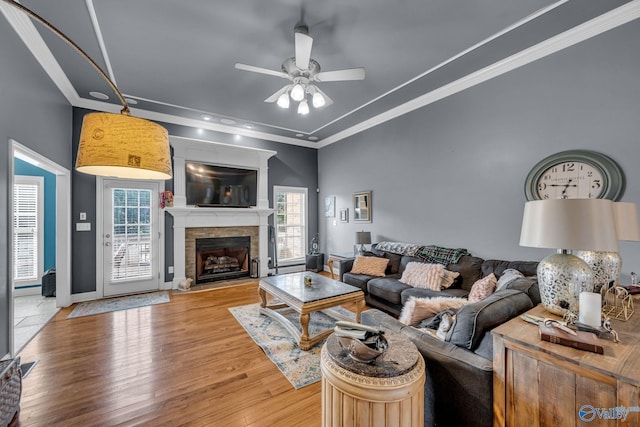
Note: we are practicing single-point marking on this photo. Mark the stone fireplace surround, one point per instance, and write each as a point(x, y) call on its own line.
point(218, 220)
point(192, 234)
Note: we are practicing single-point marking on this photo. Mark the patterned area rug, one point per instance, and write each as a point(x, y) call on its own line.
point(301, 368)
point(90, 308)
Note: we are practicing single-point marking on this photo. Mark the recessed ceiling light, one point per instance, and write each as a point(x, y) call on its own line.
point(313, 138)
point(299, 135)
point(228, 121)
point(131, 101)
point(248, 125)
point(99, 95)
point(206, 117)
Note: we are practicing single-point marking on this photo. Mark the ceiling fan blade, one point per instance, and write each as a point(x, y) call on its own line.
point(303, 44)
point(261, 70)
point(327, 101)
point(275, 96)
point(340, 75)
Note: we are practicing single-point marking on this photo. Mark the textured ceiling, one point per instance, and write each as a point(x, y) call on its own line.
point(177, 57)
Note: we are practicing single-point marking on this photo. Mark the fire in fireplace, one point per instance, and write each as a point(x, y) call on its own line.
point(222, 258)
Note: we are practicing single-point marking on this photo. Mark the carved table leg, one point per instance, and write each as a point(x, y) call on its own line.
point(263, 297)
point(304, 338)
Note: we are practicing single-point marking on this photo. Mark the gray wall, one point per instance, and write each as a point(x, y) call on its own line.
point(453, 173)
point(34, 113)
point(293, 166)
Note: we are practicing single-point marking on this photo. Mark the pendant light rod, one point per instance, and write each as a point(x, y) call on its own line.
point(71, 43)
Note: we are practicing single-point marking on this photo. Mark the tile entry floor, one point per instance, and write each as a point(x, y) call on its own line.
point(30, 314)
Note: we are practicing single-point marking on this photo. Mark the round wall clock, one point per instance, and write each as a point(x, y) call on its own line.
point(575, 174)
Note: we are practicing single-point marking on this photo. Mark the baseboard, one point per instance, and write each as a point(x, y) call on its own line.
point(85, 296)
point(291, 268)
point(23, 292)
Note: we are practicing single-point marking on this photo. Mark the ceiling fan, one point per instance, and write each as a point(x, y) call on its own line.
point(303, 72)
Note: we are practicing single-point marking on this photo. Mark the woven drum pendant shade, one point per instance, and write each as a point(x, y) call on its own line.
point(122, 146)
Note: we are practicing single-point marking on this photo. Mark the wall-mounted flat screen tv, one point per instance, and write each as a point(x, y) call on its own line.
point(215, 186)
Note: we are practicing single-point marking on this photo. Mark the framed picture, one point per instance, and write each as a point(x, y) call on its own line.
point(362, 206)
point(330, 206)
point(344, 215)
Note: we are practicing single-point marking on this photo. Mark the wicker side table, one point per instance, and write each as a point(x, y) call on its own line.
point(388, 393)
point(10, 391)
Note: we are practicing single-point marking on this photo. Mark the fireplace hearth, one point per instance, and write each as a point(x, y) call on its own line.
point(222, 258)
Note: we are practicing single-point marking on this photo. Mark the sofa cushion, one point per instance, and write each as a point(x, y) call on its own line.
point(508, 275)
point(394, 259)
point(417, 309)
point(483, 288)
point(421, 275)
point(470, 269)
point(358, 280)
point(387, 288)
point(428, 293)
point(528, 285)
point(474, 320)
point(528, 268)
point(370, 265)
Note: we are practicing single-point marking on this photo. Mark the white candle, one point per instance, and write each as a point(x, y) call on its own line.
point(590, 309)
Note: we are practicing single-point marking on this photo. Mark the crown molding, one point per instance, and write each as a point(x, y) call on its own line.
point(192, 123)
point(27, 31)
point(582, 32)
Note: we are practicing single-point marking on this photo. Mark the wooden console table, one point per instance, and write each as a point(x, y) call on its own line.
point(538, 383)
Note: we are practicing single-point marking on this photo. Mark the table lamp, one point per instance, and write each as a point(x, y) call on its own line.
point(607, 266)
point(567, 224)
point(362, 238)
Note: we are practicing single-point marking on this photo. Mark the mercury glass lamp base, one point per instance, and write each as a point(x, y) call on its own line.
point(561, 278)
point(606, 266)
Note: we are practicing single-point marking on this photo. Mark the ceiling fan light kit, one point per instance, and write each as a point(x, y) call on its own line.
point(303, 71)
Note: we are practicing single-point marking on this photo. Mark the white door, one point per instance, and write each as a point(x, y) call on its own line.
point(130, 237)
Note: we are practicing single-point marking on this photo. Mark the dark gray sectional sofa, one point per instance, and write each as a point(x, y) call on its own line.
point(459, 385)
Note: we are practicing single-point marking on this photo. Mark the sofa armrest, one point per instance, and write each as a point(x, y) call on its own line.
point(345, 267)
point(459, 386)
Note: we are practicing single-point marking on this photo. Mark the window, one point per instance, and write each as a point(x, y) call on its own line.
point(28, 230)
point(291, 223)
point(131, 234)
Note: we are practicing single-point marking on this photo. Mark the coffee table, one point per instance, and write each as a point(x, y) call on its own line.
point(323, 295)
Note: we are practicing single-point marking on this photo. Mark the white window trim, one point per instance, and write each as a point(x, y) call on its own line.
point(38, 181)
point(287, 189)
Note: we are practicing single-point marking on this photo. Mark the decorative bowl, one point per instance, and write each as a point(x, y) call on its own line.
point(361, 351)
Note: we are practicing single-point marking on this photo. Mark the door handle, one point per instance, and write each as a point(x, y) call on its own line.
point(107, 244)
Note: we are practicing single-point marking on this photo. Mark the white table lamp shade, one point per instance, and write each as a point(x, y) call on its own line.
point(626, 219)
point(569, 224)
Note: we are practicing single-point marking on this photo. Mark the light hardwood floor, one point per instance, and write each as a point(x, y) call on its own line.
point(188, 362)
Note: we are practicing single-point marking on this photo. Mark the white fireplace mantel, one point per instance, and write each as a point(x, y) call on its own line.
point(185, 216)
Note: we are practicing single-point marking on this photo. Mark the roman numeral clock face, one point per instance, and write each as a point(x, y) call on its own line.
point(575, 174)
point(570, 180)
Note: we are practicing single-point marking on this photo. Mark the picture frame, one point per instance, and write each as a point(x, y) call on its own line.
point(330, 206)
point(344, 215)
point(362, 207)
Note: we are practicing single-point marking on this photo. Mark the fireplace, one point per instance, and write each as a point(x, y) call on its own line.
point(221, 258)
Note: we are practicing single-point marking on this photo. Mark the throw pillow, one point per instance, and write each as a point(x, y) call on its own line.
point(482, 288)
point(417, 309)
point(421, 275)
point(508, 276)
point(369, 265)
point(449, 278)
